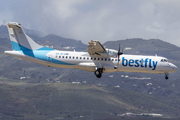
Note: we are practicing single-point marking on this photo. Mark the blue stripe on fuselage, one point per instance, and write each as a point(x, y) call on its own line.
point(38, 54)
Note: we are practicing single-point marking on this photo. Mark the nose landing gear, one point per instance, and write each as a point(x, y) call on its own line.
point(166, 76)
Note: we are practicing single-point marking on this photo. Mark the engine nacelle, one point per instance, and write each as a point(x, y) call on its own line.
point(112, 52)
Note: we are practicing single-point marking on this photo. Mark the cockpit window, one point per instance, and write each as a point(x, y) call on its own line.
point(164, 60)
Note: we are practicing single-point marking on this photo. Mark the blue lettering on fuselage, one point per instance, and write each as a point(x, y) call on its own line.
point(139, 63)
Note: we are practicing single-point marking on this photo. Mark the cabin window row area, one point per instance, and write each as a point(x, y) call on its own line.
point(88, 58)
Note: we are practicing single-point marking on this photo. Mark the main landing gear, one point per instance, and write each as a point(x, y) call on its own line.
point(166, 76)
point(98, 72)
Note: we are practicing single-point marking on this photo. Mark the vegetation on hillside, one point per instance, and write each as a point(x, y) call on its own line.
point(67, 100)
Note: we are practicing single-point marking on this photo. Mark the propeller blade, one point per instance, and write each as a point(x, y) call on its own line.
point(118, 59)
point(119, 48)
point(119, 52)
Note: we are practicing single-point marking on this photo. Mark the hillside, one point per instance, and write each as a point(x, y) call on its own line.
point(59, 43)
point(146, 47)
point(67, 100)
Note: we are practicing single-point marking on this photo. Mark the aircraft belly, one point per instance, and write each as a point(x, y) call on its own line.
point(87, 66)
point(108, 69)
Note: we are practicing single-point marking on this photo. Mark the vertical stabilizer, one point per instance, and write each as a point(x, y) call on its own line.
point(19, 40)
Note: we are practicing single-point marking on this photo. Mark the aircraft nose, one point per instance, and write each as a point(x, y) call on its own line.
point(174, 67)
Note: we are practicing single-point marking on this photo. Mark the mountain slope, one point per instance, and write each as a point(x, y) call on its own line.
point(45, 101)
point(146, 47)
point(59, 42)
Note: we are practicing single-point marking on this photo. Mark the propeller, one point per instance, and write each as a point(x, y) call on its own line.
point(119, 52)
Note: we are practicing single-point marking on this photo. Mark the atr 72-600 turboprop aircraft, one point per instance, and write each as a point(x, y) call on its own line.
point(98, 59)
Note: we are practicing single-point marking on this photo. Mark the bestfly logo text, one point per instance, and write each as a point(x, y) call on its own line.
point(139, 63)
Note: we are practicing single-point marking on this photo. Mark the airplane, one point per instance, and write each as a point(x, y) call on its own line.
point(98, 59)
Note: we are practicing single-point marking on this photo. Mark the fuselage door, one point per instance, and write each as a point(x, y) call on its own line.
point(49, 58)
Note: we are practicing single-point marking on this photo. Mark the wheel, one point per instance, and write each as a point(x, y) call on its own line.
point(99, 76)
point(166, 77)
point(98, 73)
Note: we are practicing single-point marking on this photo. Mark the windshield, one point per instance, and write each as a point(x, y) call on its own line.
point(164, 60)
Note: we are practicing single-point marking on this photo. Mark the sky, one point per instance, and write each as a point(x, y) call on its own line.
point(102, 20)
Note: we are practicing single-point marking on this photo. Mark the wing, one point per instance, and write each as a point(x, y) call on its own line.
point(95, 48)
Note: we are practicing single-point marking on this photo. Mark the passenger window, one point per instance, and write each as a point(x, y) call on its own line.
point(112, 59)
point(62, 56)
point(73, 57)
point(115, 59)
point(94, 58)
point(69, 57)
point(80, 57)
point(109, 59)
point(98, 58)
point(66, 56)
point(87, 58)
point(91, 58)
point(59, 56)
point(101, 58)
point(76, 57)
point(105, 59)
point(84, 58)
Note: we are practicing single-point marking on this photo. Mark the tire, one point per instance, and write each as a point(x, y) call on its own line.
point(98, 76)
point(98, 73)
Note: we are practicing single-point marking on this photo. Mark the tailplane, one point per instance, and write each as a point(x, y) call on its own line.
point(19, 40)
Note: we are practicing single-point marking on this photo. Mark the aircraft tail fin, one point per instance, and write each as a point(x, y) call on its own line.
point(19, 40)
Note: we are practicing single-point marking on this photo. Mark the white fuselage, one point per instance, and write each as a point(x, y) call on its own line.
point(82, 60)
